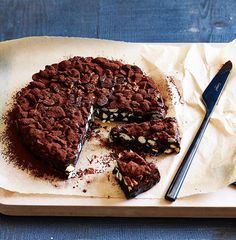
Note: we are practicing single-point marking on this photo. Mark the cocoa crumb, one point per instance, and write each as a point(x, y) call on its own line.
point(87, 171)
point(90, 160)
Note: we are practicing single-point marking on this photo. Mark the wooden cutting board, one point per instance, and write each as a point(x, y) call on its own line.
point(219, 204)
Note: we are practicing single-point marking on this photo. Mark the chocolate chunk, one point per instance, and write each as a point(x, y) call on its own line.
point(153, 137)
point(134, 174)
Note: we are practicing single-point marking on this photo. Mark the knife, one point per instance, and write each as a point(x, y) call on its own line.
point(210, 98)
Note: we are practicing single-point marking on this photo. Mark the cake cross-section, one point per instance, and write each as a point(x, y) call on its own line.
point(134, 174)
point(53, 112)
point(152, 137)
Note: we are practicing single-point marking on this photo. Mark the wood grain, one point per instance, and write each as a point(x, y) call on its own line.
point(56, 228)
point(134, 20)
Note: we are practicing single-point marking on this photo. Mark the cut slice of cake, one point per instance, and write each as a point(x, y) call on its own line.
point(153, 137)
point(134, 174)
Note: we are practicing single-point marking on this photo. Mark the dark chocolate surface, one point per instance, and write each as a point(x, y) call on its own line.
point(53, 112)
point(134, 174)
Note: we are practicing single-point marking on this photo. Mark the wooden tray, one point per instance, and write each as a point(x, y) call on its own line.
point(219, 204)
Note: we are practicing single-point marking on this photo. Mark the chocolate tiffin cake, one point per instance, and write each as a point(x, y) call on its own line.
point(152, 137)
point(53, 112)
point(134, 174)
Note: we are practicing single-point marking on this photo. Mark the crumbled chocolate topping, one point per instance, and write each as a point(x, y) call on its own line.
point(18, 154)
point(134, 174)
point(53, 113)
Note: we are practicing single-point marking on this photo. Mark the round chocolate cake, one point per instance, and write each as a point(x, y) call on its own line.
point(54, 111)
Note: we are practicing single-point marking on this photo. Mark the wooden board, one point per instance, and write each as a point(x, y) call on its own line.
point(219, 204)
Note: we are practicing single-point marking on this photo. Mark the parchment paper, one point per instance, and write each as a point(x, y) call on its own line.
point(191, 66)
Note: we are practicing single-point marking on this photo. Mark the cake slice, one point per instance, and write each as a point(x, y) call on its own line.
point(134, 174)
point(153, 137)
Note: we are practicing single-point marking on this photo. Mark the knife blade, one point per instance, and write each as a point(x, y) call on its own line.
point(214, 90)
point(210, 98)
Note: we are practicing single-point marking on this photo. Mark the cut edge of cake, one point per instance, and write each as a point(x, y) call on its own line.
point(134, 174)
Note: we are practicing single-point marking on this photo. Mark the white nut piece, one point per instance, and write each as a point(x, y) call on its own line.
point(169, 150)
point(113, 110)
point(155, 116)
point(155, 150)
point(134, 182)
point(79, 147)
point(151, 142)
point(124, 114)
point(126, 119)
point(129, 188)
point(104, 116)
point(116, 114)
point(110, 138)
point(125, 182)
point(119, 176)
point(171, 140)
point(142, 139)
point(136, 88)
point(70, 168)
point(177, 150)
point(71, 175)
point(125, 136)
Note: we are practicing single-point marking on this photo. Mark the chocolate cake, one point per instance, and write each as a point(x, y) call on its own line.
point(153, 137)
point(134, 174)
point(53, 112)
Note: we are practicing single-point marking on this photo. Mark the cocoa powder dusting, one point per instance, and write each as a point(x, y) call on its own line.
point(16, 152)
point(172, 81)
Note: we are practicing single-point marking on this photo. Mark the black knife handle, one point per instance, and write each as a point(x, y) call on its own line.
point(178, 180)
